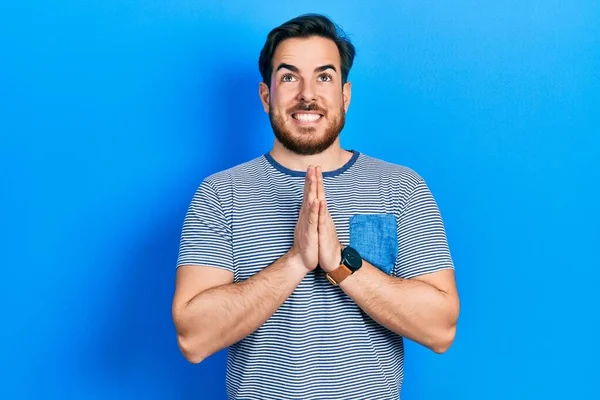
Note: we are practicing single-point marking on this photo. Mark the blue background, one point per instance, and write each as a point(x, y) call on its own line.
point(112, 112)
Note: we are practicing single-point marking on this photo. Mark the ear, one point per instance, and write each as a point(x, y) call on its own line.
point(263, 93)
point(347, 94)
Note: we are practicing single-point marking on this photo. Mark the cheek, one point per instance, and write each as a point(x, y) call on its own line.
point(333, 99)
point(282, 100)
point(334, 106)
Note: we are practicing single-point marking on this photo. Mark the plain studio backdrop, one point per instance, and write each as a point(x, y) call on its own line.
point(112, 113)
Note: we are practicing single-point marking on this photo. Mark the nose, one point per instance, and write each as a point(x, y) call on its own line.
point(307, 92)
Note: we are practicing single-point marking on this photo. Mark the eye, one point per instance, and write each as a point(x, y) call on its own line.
point(288, 78)
point(325, 78)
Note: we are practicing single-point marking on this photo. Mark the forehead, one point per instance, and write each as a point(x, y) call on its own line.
point(307, 53)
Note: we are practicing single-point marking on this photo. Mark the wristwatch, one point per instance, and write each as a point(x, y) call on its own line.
point(351, 262)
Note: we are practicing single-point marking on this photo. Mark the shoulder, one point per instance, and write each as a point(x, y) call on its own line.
point(389, 172)
point(216, 190)
point(224, 180)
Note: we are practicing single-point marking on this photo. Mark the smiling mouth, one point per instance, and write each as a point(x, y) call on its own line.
point(307, 117)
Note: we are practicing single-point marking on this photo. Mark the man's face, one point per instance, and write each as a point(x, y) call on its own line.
point(306, 103)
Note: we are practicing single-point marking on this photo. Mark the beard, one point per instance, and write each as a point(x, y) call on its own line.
point(306, 142)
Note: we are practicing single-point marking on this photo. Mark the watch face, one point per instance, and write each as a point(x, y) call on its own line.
point(352, 259)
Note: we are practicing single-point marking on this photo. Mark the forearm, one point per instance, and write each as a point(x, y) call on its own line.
point(218, 317)
point(408, 307)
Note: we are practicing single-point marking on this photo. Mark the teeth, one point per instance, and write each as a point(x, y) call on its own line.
point(307, 117)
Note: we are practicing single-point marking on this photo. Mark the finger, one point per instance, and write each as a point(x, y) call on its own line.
point(320, 189)
point(322, 225)
point(322, 185)
point(307, 180)
point(313, 216)
point(313, 184)
point(322, 212)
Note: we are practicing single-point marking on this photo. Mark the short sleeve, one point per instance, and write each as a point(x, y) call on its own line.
point(206, 233)
point(422, 243)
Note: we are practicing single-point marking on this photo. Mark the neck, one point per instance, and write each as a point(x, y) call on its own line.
point(329, 160)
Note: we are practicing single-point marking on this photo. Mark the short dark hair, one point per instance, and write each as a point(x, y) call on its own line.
point(303, 26)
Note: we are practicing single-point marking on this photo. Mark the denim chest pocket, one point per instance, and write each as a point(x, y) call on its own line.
point(375, 237)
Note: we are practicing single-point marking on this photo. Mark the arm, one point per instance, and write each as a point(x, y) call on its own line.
point(211, 313)
point(424, 309)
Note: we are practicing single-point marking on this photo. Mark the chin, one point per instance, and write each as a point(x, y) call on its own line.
point(308, 132)
point(306, 140)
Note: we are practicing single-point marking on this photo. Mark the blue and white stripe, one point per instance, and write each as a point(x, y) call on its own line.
point(319, 344)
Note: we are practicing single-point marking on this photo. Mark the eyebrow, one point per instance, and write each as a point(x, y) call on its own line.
point(295, 69)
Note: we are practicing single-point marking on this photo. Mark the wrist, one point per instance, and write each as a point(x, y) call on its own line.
point(294, 261)
point(337, 261)
point(350, 262)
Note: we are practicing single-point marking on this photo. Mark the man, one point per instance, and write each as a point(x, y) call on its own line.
point(311, 262)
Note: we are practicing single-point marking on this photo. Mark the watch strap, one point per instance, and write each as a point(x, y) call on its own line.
point(338, 275)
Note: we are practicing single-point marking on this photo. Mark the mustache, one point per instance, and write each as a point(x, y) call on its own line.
point(306, 107)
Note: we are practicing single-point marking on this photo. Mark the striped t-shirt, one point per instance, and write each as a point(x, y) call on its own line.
point(319, 344)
